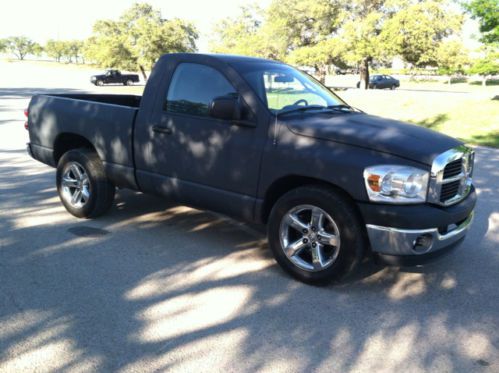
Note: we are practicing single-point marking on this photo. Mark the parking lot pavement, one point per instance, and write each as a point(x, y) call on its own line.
point(152, 286)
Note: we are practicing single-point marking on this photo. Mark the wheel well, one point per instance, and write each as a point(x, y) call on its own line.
point(287, 183)
point(68, 141)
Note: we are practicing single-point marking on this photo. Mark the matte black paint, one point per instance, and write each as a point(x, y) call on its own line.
point(229, 166)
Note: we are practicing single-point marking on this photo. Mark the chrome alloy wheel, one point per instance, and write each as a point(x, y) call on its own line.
point(75, 185)
point(309, 237)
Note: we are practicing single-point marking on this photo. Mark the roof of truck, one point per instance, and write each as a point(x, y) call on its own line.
point(229, 58)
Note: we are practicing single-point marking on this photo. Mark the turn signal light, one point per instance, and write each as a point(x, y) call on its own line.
point(373, 182)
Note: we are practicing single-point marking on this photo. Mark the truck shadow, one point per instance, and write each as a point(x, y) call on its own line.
point(154, 286)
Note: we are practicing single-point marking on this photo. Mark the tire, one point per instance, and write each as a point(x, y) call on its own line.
point(128, 82)
point(374, 86)
point(82, 170)
point(99, 83)
point(349, 238)
point(393, 87)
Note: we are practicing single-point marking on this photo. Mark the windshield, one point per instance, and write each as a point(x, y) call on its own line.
point(284, 88)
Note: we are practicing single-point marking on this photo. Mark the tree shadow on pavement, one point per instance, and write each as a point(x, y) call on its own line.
point(153, 286)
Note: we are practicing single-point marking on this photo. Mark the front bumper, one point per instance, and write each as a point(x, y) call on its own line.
point(415, 233)
point(396, 241)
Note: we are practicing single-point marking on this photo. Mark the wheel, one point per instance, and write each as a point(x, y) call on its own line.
point(374, 86)
point(82, 184)
point(99, 83)
point(393, 87)
point(316, 235)
point(128, 82)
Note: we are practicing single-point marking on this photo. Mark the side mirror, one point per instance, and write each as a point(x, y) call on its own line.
point(226, 108)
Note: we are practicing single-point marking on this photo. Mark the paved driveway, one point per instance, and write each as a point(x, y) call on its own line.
point(152, 286)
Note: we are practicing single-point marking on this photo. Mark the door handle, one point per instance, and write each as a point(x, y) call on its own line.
point(160, 129)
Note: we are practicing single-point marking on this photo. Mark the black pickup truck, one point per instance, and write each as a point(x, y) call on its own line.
point(260, 141)
point(114, 77)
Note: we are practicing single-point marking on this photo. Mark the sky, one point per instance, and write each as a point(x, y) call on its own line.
point(41, 20)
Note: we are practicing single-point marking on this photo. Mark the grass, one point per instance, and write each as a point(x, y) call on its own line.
point(473, 118)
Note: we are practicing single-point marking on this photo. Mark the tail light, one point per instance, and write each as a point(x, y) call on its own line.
point(26, 113)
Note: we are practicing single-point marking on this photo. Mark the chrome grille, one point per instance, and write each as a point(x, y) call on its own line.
point(451, 176)
point(449, 190)
point(453, 169)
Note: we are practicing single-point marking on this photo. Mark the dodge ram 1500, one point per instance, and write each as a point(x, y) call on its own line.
point(263, 142)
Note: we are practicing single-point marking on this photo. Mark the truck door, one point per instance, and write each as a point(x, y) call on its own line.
point(193, 157)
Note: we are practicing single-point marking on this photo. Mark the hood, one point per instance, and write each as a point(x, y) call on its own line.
point(385, 135)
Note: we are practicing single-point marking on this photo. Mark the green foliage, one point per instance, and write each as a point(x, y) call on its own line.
point(21, 46)
point(246, 34)
point(55, 49)
point(321, 33)
point(488, 65)
point(415, 31)
point(362, 34)
point(138, 38)
point(487, 13)
point(452, 57)
point(299, 23)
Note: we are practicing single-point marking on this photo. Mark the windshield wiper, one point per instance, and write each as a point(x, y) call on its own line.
point(343, 107)
point(302, 108)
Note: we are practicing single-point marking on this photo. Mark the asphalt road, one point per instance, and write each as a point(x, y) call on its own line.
point(151, 286)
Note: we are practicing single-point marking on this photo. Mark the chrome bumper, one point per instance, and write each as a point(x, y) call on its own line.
point(395, 241)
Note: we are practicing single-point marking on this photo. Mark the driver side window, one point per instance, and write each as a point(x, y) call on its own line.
point(193, 87)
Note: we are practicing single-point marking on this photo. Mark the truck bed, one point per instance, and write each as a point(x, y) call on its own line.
point(106, 121)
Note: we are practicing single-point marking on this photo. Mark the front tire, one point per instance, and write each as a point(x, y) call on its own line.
point(99, 83)
point(82, 185)
point(128, 82)
point(316, 235)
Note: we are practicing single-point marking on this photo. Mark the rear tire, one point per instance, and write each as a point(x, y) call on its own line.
point(340, 240)
point(82, 184)
point(128, 82)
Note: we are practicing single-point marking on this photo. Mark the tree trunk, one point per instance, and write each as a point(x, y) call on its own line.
point(143, 72)
point(321, 73)
point(484, 81)
point(364, 73)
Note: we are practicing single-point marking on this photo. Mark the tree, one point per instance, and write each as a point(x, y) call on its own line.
point(243, 35)
point(74, 49)
point(55, 49)
point(302, 23)
point(320, 56)
point(486, 66)
point(416, 30)
point(452, 57)
point(21, 46)
point(3, 45)
point(487, 14)
point(138, 39)
point(362, 34)
point(107, 46)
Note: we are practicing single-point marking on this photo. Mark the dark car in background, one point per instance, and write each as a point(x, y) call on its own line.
point(114, 77)
point(382, 81)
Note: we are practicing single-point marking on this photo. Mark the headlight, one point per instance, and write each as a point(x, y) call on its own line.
point(396, 184)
